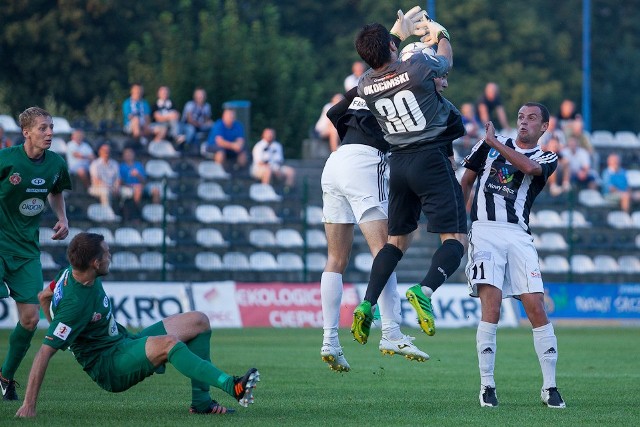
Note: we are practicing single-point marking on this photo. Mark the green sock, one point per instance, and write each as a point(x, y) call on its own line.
point(154, 330)
point(192, 366)
point(201, 347)
point(19, 343)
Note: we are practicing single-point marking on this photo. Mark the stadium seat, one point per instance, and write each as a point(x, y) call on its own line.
point(552, 242)
point(263, 193)
point(159, 168)
point(208, 261)
point(208, 169)
point(9, 124)
point(633, 178)
point(125, 261)
point(235, 261)
point(153, 261)
point(638, 241)
point(58, 145)
point(106, 233)
point(605, 264)
point(263, 215)
point(154, 213)
point(533, 219)
point(536, 240)
point(152, 236)
point(576, 217)
point(582, 264)
point(316, 239)
point(629, 264)
point(619, 219)
point(235, 214)
point(208, 214)
point(73, 232)
point(128, 236)
point(547, 218)
point(602, 138)
point(289, 238)
point(556, 264)
point(314, 215)
point(210, 238)
point(592, 198)
point(626, 139)
point(635, 219)
point(262, 238)
point(363, 262)
point(263, 261)
point(61, 126)
point(211, 191)
point(288, 261)
point(316, 261)
point(100, 213)
point(47, 261)
point(162, 150)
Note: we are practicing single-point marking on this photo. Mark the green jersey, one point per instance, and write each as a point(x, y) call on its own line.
point(82, 319)
point(24, 187)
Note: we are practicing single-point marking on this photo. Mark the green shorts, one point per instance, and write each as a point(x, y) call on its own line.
point(23, 277)
point(124, 365)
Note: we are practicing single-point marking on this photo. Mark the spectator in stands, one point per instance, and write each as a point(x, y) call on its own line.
point(324, 129)
point(357, 69)
point(615, 186)
point(576, 129)
point(490, 106)
point(559, 179)
point(471, 125)
point(268, 159)
point(567, 114)
point(165, 115)
point(5, 141)
point(227, 141)
point(197, 116)
point(134, 178)
point(582, 173)
point(79, 157)
point(137, 117)
point(105, 176)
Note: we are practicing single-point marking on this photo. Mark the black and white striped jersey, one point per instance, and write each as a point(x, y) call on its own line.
point(503, 193)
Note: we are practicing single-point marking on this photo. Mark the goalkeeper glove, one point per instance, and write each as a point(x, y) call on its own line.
point(435, 32)
point(409, 24)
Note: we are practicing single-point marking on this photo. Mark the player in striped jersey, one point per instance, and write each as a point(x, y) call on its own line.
point(503, 262)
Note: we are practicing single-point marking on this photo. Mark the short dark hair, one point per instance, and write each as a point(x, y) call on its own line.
point(543, 110)
point(372, 44)
point(84, 249)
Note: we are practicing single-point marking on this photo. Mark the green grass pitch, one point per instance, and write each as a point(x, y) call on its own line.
point(598, 376)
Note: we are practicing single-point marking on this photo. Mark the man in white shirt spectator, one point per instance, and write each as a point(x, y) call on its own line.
point(79, 157)
point(268, 159)
point(582, 174)
point(357, 69)
point(105, 176)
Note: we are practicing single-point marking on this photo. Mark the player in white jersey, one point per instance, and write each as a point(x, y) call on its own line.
point(355, 191)
point(503, 262)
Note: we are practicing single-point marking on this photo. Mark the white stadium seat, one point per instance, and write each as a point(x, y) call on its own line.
point(605, 264)
point(208, 214)
point(235, 261)
point(316, 261)
point(316, 239)
point(159, 168)
point(208, 169)
point(208, 261)
point(101, 213)
point(556, 264)
point(128, 236)
point(314, 215)
point(210, 238)
point(125, 261)
point(619, 219)
point(289, 238)
point(582, 264)
point(363, 262)
point(263, 193)
point(211, 191)
point(235, 214)
point(260, 214)
point(48, 262)
point(262, 238)
point(263, 261)
point(289, 262)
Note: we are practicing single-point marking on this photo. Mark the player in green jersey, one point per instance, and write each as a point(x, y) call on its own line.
point(82, 319)
point(30, 175)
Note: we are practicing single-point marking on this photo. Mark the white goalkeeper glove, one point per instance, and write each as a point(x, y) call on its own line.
point(409, 24)
point(435, 32)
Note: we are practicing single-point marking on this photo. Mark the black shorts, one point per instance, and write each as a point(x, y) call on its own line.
point(424, 180)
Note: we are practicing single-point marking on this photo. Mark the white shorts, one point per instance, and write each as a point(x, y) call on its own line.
point(502, 254)
point(355, 185)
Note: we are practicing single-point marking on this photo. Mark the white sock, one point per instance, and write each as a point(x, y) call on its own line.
point(486, 346)
point(331, 297)
point(546, 345)
point(389, 306)
point(427, 291)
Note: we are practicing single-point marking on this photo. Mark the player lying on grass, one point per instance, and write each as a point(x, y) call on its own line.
point(81, 318)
